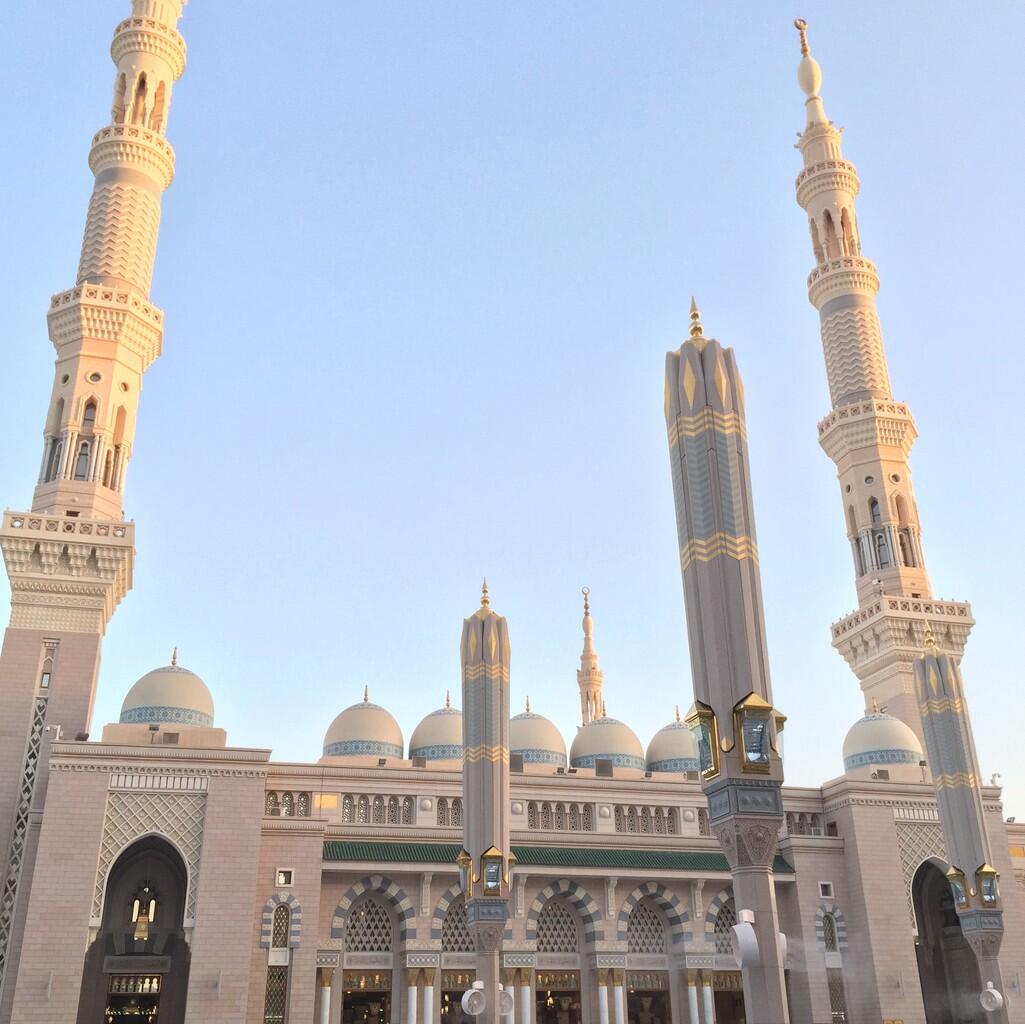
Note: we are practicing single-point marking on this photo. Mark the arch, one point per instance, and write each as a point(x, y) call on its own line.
point(393, 810)
point(823, 911)
point(119, 424)
point(578, 898)
point(138, 115)
point(712, 913)
point(850, 241)
point(156, 118)
point(89, 415)
point(442, 811)
point(287, 805)
point(82, 461)
point(816, 244)
point(117, 109)
point(832, 246)
point(883, 559)
point(295, 921)
point(874, 512)
point(672, 909)
point(852, 522)
point(901, 506)
point(455, 934)
point(393, 894)
point(558, 929)
point(348, 809)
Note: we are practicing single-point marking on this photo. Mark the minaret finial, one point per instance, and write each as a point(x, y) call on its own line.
point(485, 601)
point(174, 656)
point(528, 705)
point(448, 698)
point(604, 713)
point(802, 26)
point(875, 706)
point(589, 675)
point(586, 591)
point(366, 694)
point(677, 712)
point(696, 329)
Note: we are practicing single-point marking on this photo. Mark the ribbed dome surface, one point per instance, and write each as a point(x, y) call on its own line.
point(364, 730)
point(672, 749)
point(606, 739)
point(881, 739)
point(439, 737)
point(536, 740)
point(171, 695)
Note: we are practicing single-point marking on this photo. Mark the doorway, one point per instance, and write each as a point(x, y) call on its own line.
point(557, 997)
point(132, 998)
point(647, 998)
point(453, 985)
point(729, 997)
point(367, 997)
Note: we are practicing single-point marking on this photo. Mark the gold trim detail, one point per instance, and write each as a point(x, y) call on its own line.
point(955, 780)
point(932, 707)
point(482, 752)
point(717, 545)
point(482, 670)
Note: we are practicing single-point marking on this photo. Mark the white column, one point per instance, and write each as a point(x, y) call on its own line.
point(526, 1010)
point(603, 996)
point(325, 994)
point(619, 996)
point(411, 997)
point(709, 1001)
point(692, 998)
point(510, 1017)
point(428, 1011)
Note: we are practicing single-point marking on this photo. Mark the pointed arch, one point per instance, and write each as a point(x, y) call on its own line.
point(579, 900)
point(816, 243)
point(294, 924)
point(156, 118)
point(392, 894)
point(438, 918)
point(850, 240)
point(676, 915)
point(832, 245)
point(117, 109)
point(874, 511)
point(712, 912)
point(823, 911)
point(138, 116)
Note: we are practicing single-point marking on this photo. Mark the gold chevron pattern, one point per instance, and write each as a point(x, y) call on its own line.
point(482, 670)
point(120, 235)
point(728, 423)
point(717, 545)
point(956, 780)
point(935, 706)
point(482, 752)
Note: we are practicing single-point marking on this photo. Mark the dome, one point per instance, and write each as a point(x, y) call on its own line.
point(439, 737)
point(880, 739)
point(536, 739)
point(364, 730)
point(608, 739)
point(171, 695)
point(672, 749)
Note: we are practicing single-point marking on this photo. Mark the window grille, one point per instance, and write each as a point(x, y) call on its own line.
point(287, 805)
point(631, 820)
point(279, 932)
point(556, 929)
point(271, 804)
point(645, 820)
point(546, 817)
point(645, 931)
point(363, 811)
point(588, 818)
point(302, 805)
point(560, 817)
point(532, 818)
point(407, 811)
point(455, 935)
point(837, 997)
point(369, 929)
point(829, 933)
point(724, 922)
point(673, 821)
point(660, 821)
point(457, 811)
point(574, 818)
point(393, 810)
point(277, 991)
point(378, 810)
point(348, 809)
point(442, 811)
point(703, 829)
point(620, 820)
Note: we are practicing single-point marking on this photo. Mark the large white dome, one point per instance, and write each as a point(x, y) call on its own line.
point(606, 739)
point(171, 695)
point(364, 730)
point(880, 739)
point(536, 740)
point(672, 749)
point(439, 737)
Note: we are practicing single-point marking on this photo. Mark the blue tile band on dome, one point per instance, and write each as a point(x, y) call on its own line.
point(438, 752)
point(537, 756)
point(362, 748)
point(154, 714)
point(881, 757)
point(618, 761)
point(675, 764)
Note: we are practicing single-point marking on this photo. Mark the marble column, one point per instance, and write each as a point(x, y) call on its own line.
point(526, 996)
point(619, 995)
point(411, 980)
point(708, 997)
point(325, 976)
point(509, 985)
point(603, 995)
point(430, 976)
point(692, 997)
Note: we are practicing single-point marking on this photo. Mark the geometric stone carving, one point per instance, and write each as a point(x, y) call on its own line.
point(916, 842)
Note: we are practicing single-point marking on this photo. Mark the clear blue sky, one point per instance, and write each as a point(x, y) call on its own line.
point(421, 264)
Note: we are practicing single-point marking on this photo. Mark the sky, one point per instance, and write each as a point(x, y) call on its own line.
point(421, 264)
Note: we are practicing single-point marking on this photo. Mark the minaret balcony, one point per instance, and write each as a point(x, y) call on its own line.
point(827, 176)
point(126, 145)
point(867, 424)
point(147, 35)
point(845, 275)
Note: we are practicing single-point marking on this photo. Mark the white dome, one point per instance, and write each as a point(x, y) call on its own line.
point(536, 740)
point(879, 739)
point(364, 730)
point(672, 749)
point(608, 739)
point(170, 695)
point(439, 737)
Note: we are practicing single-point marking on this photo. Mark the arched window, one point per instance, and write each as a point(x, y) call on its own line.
point(660, 821)
point(832, 247)
point(457, 811)
point(348, 809)
point(816, 245)
point(53, 463)
point(455, 934)
point(588, 818)
point(407, 810)
point(442, 811)
point(906, 556)
point(645, 930)
point(724, 922)
point(287, 805)
point(117, 109)
point(574, 818)
point(378, 810)
point(393, 810)
point(89, 417)
point(556, 929)
point(279, 931)
point(546, 817)
point(850, 243)
point(829, 933)
point(873, 511)
point(532, 818)
point(363, 811)
point(156, 119)
point(703, 829)
point(631, 820)
point(620, 819)
point(882, 551)
point(645, 819)
point(302, 805)
point(673, 821)
point(108, 466)
point(369, 928)
point(139, 103)
point(270, 806)
point(560, 817)
point(82, 462)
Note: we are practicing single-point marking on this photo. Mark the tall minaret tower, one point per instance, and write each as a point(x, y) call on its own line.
point(868, 434)
point(590, 677)
point(70, 558)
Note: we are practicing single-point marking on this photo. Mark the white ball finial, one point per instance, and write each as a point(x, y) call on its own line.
point(809, 74)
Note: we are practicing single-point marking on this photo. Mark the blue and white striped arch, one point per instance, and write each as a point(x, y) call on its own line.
point(669, 903)
point(295, 920)
point(392, 894)
point(578, 898)
point(713, 912)
point(841, 926)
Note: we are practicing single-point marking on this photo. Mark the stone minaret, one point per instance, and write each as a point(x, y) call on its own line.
point(70, 558)
point(955, 771)
point(486, 860)
point(590, 677)
point(735, 724)
point(868, 434)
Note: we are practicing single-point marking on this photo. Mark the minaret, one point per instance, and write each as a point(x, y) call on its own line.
point(589, 676)
point(70, 558)
point(735, 725)
point(486, 860)
point(955, 770)
point(868, 434)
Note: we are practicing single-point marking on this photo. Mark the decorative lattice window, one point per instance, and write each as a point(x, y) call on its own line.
point(533, 821)
point(348, 809)
point(369, 928)
point(588, 818)
point(645, 820)
point(556, 929)
point(457, 811)
point(393, 810)
point(407, 811)
point(837, 997)
point(302, 805)
point(363, 811)
point(620, 820)
point(645, 931)
point(546, 817)
point(270, 805)
point(631, 820)
point(724, 922)
point(829, 933)
point(277, 991)
point(455, 935)
point(660, 821)
point(560, 817)
point(287, 805)
point(378, 810)
point(574, 818)
point(442, 811)
point(703, 829)
point(279, 932)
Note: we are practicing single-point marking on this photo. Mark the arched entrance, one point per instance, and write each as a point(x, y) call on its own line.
point(137, 969)
point(557, 991)
point(947, 968)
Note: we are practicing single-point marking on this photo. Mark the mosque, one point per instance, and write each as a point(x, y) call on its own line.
point(159, 874)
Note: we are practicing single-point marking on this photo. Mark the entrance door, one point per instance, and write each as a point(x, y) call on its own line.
point(132, 998)
point(453, 985)
point(647, 1007)
point(366, 997)
point(729, 1008)
point(557, 997)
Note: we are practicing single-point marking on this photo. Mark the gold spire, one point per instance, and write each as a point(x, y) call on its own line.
point(677, 712)
point(802, 26)
point(448, 699)
point(586, 591)
point(366, 694)
point(696, 330)
point(485, 601)
point(174, 656)
point(930, 640)
point(603, 712)
point(528, 705)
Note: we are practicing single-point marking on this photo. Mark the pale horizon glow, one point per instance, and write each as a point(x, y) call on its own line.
point(420, 268)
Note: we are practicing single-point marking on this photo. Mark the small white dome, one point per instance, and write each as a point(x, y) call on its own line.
point(672, 749)
point(439, 737)
point(880, 739)
point(809, 75)
point(364, 730)
point(607, 739)
point(536, 740)
point(171, 695)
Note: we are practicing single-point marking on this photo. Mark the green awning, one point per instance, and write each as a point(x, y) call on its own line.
point(539, 856)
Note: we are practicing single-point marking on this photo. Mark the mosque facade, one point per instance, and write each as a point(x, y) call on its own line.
point(160, 874)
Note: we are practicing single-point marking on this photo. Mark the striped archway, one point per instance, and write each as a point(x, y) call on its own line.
point(712, 912)
point(295, 919)
point(578, 898)
point(669, 903)
point(838, 919)
point(394, 895)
